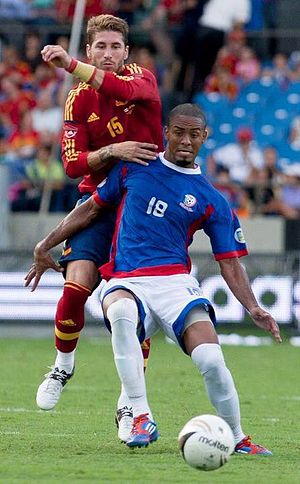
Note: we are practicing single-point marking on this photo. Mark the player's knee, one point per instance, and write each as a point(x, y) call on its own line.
point(208, 358)
point(122, 311)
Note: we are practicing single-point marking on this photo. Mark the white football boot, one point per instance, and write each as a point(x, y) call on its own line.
point(50, 389)
point(124, 420)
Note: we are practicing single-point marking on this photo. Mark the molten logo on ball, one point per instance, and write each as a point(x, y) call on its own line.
point(206, 442)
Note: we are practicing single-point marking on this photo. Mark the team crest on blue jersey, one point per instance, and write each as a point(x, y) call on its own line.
point(239, 236)
point(189, 202)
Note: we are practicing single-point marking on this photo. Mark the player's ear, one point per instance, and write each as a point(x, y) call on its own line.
point(88, 51)
point(204, 135)
point(166, 131)
point(126, 54)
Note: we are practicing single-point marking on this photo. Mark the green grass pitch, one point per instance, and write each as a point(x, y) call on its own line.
point(78, 443)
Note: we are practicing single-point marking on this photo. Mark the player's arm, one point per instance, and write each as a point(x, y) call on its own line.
point(228, 244)
point(78, 161)
point(79, 218)
point(139, 85)
point(133, 151)
point(237, 280)
point(60, 58)
point(108, 194)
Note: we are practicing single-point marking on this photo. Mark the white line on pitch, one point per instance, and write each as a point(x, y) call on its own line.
point(7, 432)
point(28, 410)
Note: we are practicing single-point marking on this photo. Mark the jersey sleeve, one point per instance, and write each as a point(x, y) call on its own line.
point(225, 233)
point(140, 84)
point(111, 190)
point(75, 137)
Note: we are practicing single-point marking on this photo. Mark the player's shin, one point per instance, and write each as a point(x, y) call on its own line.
point(69, 321)
point(123, 317)
point(219, 385)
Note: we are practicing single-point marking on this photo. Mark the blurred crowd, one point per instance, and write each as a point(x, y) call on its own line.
point(201, 51)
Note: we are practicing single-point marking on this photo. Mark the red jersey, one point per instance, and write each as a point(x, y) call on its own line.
point(127, 107)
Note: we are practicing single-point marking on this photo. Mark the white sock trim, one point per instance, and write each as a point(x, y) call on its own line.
point(65, 361)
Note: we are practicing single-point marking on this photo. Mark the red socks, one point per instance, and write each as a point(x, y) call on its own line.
point(69, 318)
point(146, 350)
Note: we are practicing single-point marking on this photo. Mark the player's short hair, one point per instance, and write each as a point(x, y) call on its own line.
point(103, 22)
point(187, 109)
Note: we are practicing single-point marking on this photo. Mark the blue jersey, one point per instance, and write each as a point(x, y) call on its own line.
point(160, 208)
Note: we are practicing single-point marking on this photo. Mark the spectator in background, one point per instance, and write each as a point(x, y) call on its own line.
point(186, 44)
point(29, 191)
point(229, 54)
point(145, 57)
point(263, 16)
point(219, 18)
point(236, 196)
point(223, 82)
point(272, 191)
point(43, 12)
point(44, 77)
point(22, 144)
point(290, 189)
point(272, 167)
point(13, 66)
point(47, 116)
point(294, 136)
point(161, 22)
point(32, 50)
point(294, 64)
point(248, 66)
point(14, 103)
point(127, 8)
point(65, 9)
point(15, 10)
point(280, 70)
point(243, 158)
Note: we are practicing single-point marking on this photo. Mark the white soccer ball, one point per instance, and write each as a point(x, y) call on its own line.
point(206, 442)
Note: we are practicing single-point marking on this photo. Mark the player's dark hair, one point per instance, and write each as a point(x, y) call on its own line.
point(187, 109)
point(103, 22)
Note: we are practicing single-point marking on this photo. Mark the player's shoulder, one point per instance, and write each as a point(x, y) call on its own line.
point(81, 90)
point(212, 195)
point(137, 70)
point(129, 168)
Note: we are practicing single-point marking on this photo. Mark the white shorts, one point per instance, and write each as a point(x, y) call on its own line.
point(164, 302)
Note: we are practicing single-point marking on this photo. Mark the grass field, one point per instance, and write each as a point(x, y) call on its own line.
point(77, 442)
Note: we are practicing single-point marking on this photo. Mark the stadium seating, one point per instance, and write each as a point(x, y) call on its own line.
point(262, 105)
point(212, 104)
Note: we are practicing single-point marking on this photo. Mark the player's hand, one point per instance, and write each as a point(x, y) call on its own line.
point(135, 151)
point(264, 320)
point(42, 262)
point(57, 55)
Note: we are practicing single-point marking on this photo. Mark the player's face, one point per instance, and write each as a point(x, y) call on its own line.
point(185, 136)
point(107, 51)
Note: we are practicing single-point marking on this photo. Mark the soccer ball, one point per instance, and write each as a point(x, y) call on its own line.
point(206, 442)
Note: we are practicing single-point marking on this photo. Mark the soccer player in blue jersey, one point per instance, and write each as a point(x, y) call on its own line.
point(160, 208)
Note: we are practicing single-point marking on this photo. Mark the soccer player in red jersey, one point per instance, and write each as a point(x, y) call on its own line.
point(113, 103)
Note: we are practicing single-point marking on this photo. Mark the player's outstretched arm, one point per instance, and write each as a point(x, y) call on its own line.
point(83, 71)
point(79, 218)
point(133, 151)
point(238, 282)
